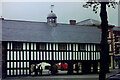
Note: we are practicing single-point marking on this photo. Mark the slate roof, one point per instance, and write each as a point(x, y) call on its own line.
point(89, 22)
point(14, 30)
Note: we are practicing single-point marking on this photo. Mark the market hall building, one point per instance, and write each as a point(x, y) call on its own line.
point(26, 42)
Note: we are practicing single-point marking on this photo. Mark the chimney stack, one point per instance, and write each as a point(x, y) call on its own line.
point(73, 22)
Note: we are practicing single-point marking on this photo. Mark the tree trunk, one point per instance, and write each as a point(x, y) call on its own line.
point(104, 56)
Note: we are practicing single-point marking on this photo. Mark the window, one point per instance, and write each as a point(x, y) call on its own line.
point(41, 46)
point(17, 46)
point(98, 48)
point(62, 47)
point(82, 47)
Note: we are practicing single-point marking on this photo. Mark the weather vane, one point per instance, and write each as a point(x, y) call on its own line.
point(52, 6)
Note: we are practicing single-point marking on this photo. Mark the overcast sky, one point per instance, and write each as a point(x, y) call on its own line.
point(65, 11)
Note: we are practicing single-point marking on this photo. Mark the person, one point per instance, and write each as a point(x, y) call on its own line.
point(76, 67)
point(32, 68)
point(54, 69)
point(36, 69)
point(40, 69)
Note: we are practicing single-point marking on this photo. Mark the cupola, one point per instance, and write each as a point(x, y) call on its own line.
point(52, 18)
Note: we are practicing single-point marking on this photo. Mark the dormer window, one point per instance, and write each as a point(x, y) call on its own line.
point(41, 46)
point(17, 46)
point(62, 47)
point(82, 47)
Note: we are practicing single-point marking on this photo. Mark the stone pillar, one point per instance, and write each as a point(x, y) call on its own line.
point(95, 67)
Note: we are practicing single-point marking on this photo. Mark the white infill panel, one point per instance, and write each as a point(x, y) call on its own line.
point(8, 64)
point(8, 72)
point(59, 55)
point(73, 47)
point(73, 55)
point(14, 64)
point(34, 55)
point(50, 46)
point(65, 54)
point(24, 46)
point(14, 55)
point(21, 55)
point(62, 55)
point(34, 46)
point(47, 46)
point(76, 47)
point(70, 46)
point(92, 48)
point(88, 47)
point(18, 71)
point(67, 46)
point(53, 55)
point(50, 55)
point(81, 55)
point(76, 55)
point(31, 46)
point(86, 56)
point(11, 46)
point(8, 55)
point(27, 64)
point(28, 55)
point(11, 64)
point(18, 64)
point(53, 46)
point(18, 55)
point(21, 64)
point(41, 56)
point(56, 46)
point(44, 55)
point(25, 55)
point(37, 55)
point(11, 55)
point(24, 64)
point(11, 72)
point(27, 46)
point(56, 55)
point(28, 72)
point(94, 55)
point(31, 55)
point(14, 72)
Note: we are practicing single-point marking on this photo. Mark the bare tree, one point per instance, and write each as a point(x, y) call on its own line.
point(104, 56)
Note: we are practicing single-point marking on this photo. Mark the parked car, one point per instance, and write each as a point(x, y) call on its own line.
point(114, 77)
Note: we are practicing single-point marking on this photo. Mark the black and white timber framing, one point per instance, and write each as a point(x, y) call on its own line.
point(21, 42)
point(19, 61)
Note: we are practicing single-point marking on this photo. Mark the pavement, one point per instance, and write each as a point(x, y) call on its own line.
point(65, 77)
